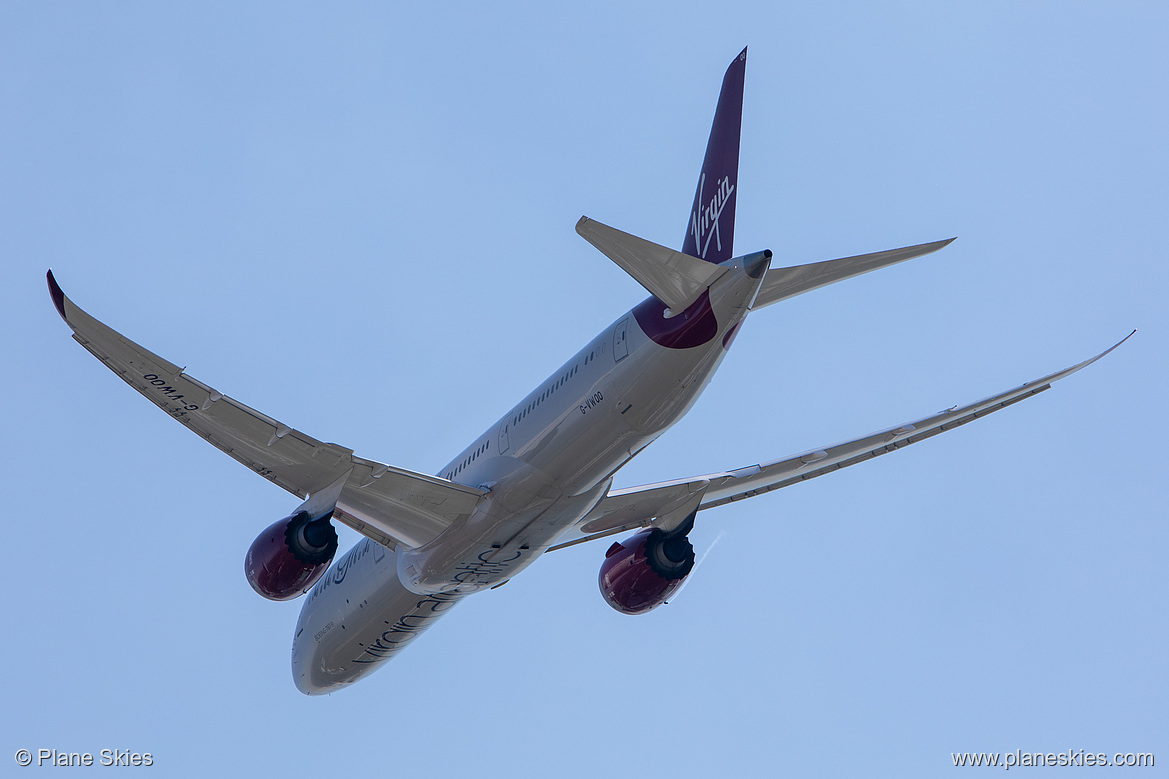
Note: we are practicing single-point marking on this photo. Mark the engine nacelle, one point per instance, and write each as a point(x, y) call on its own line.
point(288, 558)
point(642, 571)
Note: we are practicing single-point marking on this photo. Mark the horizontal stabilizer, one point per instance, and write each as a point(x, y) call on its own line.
point(783, 283)
point(672, 277)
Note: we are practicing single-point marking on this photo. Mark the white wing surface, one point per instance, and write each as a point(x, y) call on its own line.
point(390, 505)
point(636, 507)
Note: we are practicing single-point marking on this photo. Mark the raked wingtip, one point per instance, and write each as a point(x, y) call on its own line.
point(57, 294)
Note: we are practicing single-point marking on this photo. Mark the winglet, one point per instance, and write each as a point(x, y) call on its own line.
point(1086, 363)
point(57, 295)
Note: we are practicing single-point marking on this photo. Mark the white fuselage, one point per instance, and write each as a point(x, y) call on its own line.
point(545, 465)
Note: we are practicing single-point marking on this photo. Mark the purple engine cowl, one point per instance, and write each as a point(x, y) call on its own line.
point(628, 582)
point(282, 564)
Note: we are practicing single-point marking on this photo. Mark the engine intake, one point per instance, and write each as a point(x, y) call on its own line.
point(288, 558)
point(640, 573)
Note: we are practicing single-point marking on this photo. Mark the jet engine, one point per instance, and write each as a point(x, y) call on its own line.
point(642, 571)
point(288, 558)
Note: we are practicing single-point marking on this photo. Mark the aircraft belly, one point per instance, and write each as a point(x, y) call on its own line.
point(497, 542)
point(653, 406)
point(556, 470)
point(356, 618)
point(641, 397)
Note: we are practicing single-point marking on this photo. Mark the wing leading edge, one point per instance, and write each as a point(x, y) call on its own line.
point(390, 505)
point(636, 507)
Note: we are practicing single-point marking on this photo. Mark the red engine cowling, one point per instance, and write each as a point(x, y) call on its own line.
point(288, 558)
point(642, 571)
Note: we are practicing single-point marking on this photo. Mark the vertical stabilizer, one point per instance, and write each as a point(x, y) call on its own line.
point(710, 234)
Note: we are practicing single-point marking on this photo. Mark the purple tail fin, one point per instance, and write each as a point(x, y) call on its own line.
point(711, 232)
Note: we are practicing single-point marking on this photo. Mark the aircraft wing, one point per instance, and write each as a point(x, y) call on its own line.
point(636, 507)
point(390, 505)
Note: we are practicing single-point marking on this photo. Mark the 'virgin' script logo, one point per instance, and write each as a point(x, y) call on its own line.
point(704, 220)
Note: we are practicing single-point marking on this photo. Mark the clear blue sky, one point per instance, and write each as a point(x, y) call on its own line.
point(360, 221)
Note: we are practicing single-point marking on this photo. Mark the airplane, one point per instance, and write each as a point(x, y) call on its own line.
point(541, 478)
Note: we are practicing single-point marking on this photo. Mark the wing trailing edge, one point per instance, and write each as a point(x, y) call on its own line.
point(637, 507)
point(391, 505)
